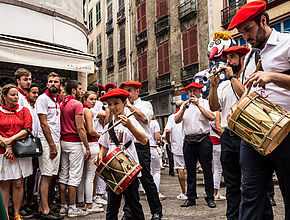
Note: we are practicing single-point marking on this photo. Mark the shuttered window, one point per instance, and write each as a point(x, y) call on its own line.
point(98, 12)
point(162, 8)
point(99, 44)
point(110, 45)
point(122, 37)
point(142, 67)
point(91, 20)
point(121, 4)
point(141, 17)
point(190, 47)
point(163, 58)
point(109, 11)
point(91, 48)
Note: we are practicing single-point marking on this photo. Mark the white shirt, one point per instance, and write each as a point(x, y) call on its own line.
point(212, 125)
point(275, 58)
point(176, 135)
point(45, 106)
point(154, 127)
point(226, 99)
point(98, 108)
point(194, 122)
point(22, 101)
point(147, 109)
point(124, 135)
point(35, 120)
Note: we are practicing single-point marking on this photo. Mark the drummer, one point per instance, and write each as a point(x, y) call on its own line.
point(222, 97)
point(127, 133)
point(252, 22)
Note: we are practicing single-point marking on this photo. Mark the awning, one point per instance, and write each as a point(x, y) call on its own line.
point(27, 52)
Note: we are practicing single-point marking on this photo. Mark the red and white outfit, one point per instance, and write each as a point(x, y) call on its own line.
point(23, 98)
point(49, 106)
point(72, 157)
point(11, 124)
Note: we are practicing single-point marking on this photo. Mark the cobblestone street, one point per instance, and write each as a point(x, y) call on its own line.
point(171, 206)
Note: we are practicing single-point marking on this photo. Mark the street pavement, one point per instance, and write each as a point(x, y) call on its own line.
point(171, 205)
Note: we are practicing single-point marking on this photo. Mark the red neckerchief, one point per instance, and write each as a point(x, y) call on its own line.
point(47, 92)
point(176, 111)
point(85, 106)
point(67, 99)
point(32, 104)
point(10, 109)
point(23, 93)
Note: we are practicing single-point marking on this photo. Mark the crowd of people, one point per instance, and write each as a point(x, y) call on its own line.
point(70, 120)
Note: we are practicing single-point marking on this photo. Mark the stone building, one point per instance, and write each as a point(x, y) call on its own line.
point(44, 36)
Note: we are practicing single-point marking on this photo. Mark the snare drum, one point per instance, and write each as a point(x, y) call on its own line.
point(260, 122)
point(118, 170)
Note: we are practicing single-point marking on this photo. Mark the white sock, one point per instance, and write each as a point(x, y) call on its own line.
point(73, 206)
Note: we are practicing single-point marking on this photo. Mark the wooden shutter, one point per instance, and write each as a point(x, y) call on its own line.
point(163, 58)
point(141, 17)
point(190, 47)
point(110, 11)
point(185, 48)
point(121, 4)
point(142, 67)
point(122, 37)
point(110, 46)
point(162, 8)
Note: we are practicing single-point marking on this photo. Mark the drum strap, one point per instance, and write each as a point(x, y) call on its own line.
point(114, 138)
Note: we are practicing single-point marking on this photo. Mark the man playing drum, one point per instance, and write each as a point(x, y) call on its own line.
point(252, 22)
point(126, 132)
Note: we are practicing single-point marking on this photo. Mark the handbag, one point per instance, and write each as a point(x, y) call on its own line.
point(28, 147)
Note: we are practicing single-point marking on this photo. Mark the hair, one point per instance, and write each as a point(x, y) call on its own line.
point(53, 74)
point(70, 85)
point(86, 95)
point(33, 85)
point(21, 72)
point(257, 19)
point(6, 89)
point(93, 87)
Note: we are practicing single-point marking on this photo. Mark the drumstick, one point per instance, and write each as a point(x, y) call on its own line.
point(256, 70)
point(118, 122)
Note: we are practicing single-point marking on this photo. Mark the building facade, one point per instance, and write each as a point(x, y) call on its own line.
point(44, 36)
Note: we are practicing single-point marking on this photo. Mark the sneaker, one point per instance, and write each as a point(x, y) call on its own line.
point(76, 212)
point(26, 213)
point(63, 210)
point(161, 196)
point(219, 197)
point(95, 209)
point(181, 196)
point(100, 200)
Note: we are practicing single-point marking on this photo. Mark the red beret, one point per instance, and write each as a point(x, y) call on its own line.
point(101, 87)
point(115, 93)
point(247, 13)
point(195, 85)
point(131, 83)
point(236, 49)
point(110, 86)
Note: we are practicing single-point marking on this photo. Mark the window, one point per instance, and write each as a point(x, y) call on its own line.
point(109, 10)
point(110, 45)
point(121, 4)
point(100, 80)
point(142, 67)
point(111, 77)
point(91, 20)
point(141, 17)
point(122, 74)
point(98, 12)
point(91, 48)
point(241, 41)
point(162, 8)
point(122, 42)
point(163, 58)
point(282, 26)
point(99, 44)
point(190, 47)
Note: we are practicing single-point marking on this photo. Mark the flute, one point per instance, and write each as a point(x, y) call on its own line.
point(118, 122)
point(206, 78)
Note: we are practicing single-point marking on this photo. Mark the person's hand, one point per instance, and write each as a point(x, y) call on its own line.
point(215, 79)
point(169, 146)
point(194, 100)
point(95, 160)
point(2, 144)
point(128, 103)
point(125, 121)
point(233, 108)
point(98, 159)
point(88, 154)
point(7, 141)
point(259, 79)
point(228, 70)
point(53, 151)
point(9, 153)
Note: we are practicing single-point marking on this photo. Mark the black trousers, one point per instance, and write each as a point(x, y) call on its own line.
point(132, 199)
point(170, 160)
point(147, 181)
point(256, 171)
point(203, 153)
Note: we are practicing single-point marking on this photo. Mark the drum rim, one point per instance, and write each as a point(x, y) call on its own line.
point(107, 158)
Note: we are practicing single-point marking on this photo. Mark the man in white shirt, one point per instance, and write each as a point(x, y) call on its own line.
point(144, 114)
point(174, 137)
point(23, 78)
point(252, 22)
point(195, 116)
point(47, 108)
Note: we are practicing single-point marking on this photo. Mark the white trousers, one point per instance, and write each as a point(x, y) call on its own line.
point(85, 189)
point(155, 166)
point(100, 186)
point(217, 167)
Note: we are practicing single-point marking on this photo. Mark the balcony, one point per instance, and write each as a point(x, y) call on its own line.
point(109, 26)
point(163, 82)
point(274, 3)
point(99, 59)
point(110, 63)
point(161, 26)
point(122, 55)
point(144, 89)
point(121, 15)
point(187, 73)
point(141, 39)
point(229, 12)
point(186, 9)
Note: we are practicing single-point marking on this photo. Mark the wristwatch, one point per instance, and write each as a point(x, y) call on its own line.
point(232, 76)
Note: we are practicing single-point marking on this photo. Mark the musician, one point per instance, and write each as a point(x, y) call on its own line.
point(252, 22)
point(195, 116)
point(222, 97)
point(144, 114)
point(128, 131)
